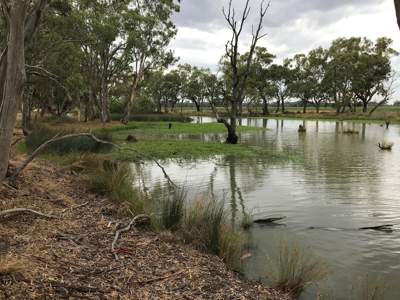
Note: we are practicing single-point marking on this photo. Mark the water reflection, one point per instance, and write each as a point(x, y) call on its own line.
point(343, 181)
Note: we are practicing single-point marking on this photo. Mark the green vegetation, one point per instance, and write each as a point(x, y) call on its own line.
point(162, 128)
point(152, 118)
point(202, 224)
point(43, 133)
point(295, 268)
point(247, 221)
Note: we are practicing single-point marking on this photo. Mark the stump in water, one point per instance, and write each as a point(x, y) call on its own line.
point(170, 126)
point(385, 146)
point(131, 139)
point(302, 128)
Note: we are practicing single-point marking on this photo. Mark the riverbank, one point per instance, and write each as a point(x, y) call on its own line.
point(70, 256)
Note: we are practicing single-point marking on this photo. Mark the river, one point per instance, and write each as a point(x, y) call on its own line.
point(340, 183)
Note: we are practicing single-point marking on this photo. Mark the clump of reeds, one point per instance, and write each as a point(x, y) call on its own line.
point(247, 221)
point(172, 210)
point(295, 268)
point(116, 181)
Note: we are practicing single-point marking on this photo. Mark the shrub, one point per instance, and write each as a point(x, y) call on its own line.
point(295, 268)
point(42, 133)
point(172, 211)
point(115, 180)
point(205, 225)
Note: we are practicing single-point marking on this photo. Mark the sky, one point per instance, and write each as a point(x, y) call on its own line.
point(292, 26)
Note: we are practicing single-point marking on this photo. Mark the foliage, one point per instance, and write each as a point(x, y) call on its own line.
point(206, 226)
point(295, 268)
point(42, 133)
point(115, 180)
point(172, 210)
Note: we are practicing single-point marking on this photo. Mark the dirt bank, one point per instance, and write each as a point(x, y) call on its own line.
point(69, 257)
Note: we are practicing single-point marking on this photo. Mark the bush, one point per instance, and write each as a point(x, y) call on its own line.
point(205, 225)
point(153, 118)
point(295, 268)
point(42, 133)
point(114, 180)
point(172, 211)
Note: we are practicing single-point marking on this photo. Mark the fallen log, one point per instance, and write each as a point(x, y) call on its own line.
point(268, 220)
point(385, 228)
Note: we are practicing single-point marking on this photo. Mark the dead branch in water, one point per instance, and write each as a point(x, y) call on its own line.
point(8, 212)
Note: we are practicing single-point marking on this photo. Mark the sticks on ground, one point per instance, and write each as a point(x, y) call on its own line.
point(139, 219)
point(8, 212)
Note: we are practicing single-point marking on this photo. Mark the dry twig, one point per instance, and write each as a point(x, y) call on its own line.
point(7, 212)
point(136, 220)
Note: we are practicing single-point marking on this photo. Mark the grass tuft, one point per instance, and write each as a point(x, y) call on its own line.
point(295, 268)
point(172, 211)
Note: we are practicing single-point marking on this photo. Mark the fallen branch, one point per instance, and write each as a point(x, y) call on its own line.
point(139, 219)
point(75, 207)
point(7, 212)
point(161, 278)
point(57, 138)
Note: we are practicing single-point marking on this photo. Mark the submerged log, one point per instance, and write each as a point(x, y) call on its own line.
point(385, 228)
point(302, 128)
point(268, 220)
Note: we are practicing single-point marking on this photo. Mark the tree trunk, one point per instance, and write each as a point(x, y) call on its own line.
point(283, 106)
point(304, 107)
point(365, 107)
point(278, 106)
point(14, 83)
point(104, 105)
point(397, 7)
point(131, 101)
point(265, 110)
point(317, 107)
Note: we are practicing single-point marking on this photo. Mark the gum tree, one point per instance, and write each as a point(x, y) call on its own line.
point(22, 20)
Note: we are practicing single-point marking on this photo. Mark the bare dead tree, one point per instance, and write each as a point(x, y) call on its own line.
point(397, 8)
point(239, 75)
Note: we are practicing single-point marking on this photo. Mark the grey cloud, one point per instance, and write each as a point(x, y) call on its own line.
point(203, 14)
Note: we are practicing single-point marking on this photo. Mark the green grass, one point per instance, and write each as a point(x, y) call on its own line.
point(162, 128)
point(191, 149)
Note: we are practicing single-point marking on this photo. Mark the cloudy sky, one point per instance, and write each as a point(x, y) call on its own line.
point(293, 26)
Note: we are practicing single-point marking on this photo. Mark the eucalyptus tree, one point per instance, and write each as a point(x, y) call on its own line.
point(259, 82)
point(372, 69)
point(239, 76)
point(150, 32)
point(281, 77)
point(302, 84)
point(317, 59)
point(22, 18)
point(194, 85)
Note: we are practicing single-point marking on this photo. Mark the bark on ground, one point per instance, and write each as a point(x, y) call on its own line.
point(70, 257)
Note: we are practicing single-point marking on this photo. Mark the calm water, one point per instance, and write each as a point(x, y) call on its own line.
point(339, 183)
